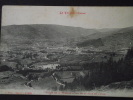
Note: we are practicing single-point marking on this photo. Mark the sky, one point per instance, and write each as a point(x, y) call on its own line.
point(94, 17)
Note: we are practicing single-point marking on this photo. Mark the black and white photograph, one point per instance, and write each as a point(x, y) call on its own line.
point(67, 50)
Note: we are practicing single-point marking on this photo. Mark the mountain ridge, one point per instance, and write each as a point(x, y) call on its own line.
point(65, 34)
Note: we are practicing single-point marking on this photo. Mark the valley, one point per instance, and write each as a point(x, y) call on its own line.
point(55, 57)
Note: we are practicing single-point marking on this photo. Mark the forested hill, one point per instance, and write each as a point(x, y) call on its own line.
point(122, 38)
point(42, 33)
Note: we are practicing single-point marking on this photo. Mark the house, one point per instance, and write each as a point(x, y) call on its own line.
point(42, 65)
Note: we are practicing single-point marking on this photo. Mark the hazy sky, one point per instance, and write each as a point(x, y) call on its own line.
point(95, 17)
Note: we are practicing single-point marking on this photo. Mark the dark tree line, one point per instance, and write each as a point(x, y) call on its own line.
point(104, 73)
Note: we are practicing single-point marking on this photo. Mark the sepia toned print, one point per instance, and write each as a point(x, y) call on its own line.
point(49, 50)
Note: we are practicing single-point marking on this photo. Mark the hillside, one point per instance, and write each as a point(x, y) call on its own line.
point(122, 38)
point(95, 42)
point(66, 35)
point(22, 33)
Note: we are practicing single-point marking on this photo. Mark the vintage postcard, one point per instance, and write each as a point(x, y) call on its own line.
point(56, 50)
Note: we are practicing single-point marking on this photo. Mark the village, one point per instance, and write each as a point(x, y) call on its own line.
point(59, 65)
point(31, 65)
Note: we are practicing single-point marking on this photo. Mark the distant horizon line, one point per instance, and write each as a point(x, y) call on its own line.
point(67, 26)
